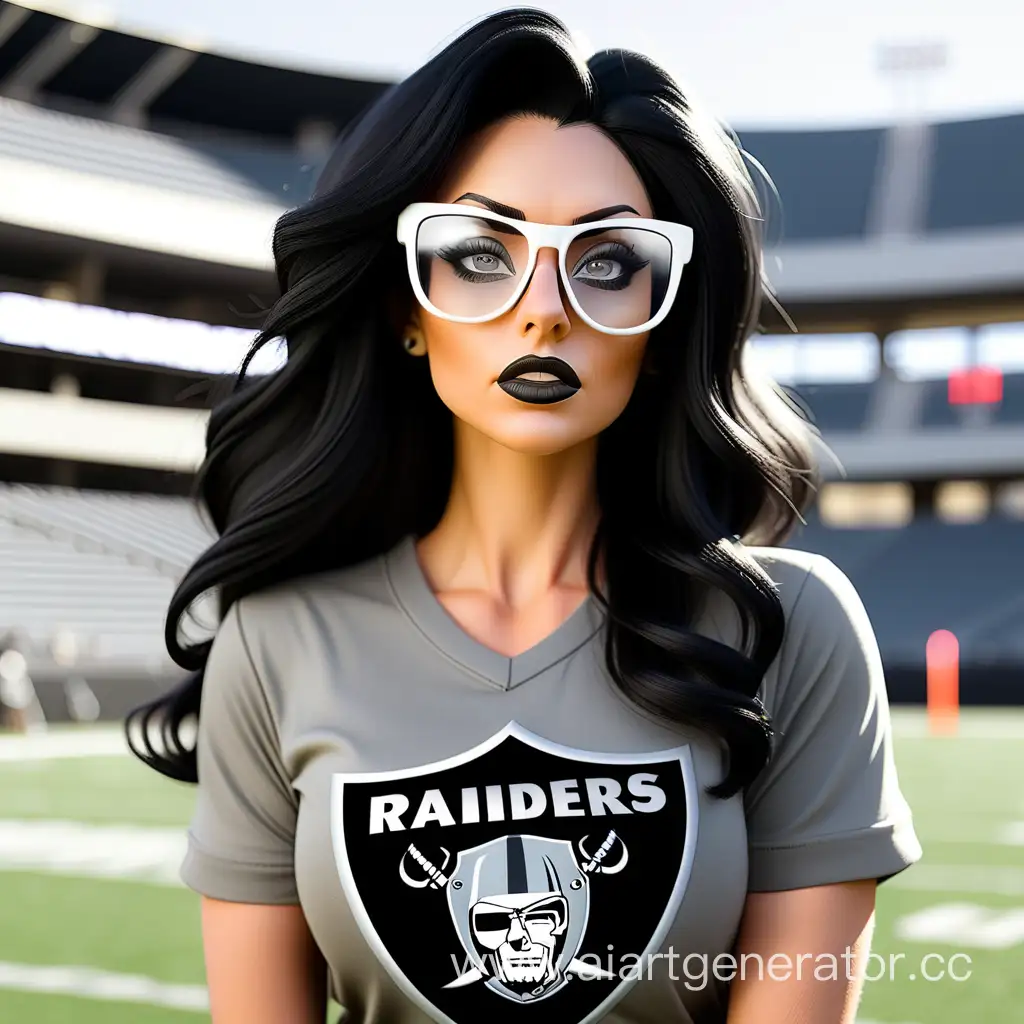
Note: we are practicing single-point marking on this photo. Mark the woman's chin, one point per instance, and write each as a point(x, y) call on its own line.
point(536, 438)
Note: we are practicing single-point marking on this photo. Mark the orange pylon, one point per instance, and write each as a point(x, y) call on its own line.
point(942, 656)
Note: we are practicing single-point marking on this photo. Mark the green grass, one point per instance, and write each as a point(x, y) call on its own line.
point(962, 789)
point(993, 992)
point(94, 790)
point(128, 927)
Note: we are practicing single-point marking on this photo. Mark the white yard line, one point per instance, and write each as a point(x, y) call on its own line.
point(1012, 834)
point(64, 743)
point(90, 983)
point(965, 925)
point(93, 851)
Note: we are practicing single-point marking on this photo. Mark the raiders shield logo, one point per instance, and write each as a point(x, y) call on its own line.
point(522, 880)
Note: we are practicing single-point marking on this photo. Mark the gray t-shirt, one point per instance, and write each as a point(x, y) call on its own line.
point(477, 837)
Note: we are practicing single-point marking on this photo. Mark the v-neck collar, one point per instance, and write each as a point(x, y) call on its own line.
point(414, 595)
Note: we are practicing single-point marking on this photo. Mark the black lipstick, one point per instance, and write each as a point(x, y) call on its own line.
point(539, 392)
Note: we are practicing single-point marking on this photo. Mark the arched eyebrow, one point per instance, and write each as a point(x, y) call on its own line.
point(608, 211)
point(494, 206)
point(513, 214)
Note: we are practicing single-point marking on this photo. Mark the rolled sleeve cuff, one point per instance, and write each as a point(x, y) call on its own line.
point(878, 852)
point(237, 881)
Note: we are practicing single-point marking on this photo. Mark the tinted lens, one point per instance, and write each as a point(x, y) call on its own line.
point(620, 275)
point(468, 265)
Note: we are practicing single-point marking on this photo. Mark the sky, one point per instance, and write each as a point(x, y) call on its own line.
point(757, 63)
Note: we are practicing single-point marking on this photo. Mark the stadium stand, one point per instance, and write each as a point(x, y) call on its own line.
point(938, 411)
point(147, 530)
point(103, 565)
point(975, 176)
point(196, 88)
point(280, 172)
point(50, 585)
point(825, 179)
point(224, 169)
point(930, 574)
point(1011, 409)
point(100, 566)
point(112, 151)
point(835, 407)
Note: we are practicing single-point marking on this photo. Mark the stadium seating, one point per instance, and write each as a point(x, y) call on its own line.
point(975, 174)
point(49, 585)
point(33, 134)
point(825, 180)
point(972, 575)
point(104, 566)
point(835, 407)
point(1011, 409)
point(282, 173)
point(150, 530)
point(936, 410)
point(99, 566)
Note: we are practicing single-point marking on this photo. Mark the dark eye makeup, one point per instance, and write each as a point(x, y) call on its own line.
point(616, 252)
point(457, 253)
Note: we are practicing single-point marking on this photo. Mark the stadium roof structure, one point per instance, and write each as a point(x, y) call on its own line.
point(50, 49)
point(156, 145)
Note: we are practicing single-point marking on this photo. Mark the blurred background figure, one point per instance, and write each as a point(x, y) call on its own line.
point(142, 170)
point(19, 705)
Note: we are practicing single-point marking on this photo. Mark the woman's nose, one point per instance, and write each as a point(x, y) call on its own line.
point(542, 307)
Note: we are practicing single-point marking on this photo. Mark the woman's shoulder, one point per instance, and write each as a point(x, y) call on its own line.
point(360, 584)
point(828, 633)
point(808, 584)
point(819, 602)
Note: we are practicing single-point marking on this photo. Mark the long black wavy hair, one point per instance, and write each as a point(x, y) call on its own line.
point(320, 465)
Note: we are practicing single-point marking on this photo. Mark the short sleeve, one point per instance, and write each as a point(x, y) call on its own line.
point(828, 808)
point(241, 838)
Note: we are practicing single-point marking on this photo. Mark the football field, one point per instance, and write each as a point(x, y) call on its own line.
point(94, 926)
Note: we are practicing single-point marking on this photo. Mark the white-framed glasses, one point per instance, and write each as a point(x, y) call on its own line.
point(470, 265)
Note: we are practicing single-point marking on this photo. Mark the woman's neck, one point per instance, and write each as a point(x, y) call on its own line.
point(517, 526)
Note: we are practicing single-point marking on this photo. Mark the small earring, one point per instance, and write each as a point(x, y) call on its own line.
point(414, 342)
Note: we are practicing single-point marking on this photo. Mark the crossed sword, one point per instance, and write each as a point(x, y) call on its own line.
point(437, 879)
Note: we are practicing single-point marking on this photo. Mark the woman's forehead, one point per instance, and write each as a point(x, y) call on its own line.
point(552, 173)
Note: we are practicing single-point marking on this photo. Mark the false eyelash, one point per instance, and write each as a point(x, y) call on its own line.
point(469, 247)
point(626, 254)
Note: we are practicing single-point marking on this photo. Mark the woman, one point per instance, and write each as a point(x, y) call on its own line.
point(486, 728)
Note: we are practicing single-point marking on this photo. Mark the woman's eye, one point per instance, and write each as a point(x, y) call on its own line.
point(600, 270)
point(484, 263)
point(478, 260)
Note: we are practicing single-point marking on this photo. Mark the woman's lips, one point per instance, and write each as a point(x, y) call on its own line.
point(537, 392)
point(539, 380)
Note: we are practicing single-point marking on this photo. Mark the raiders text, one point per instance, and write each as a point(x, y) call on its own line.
point(518, 801)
